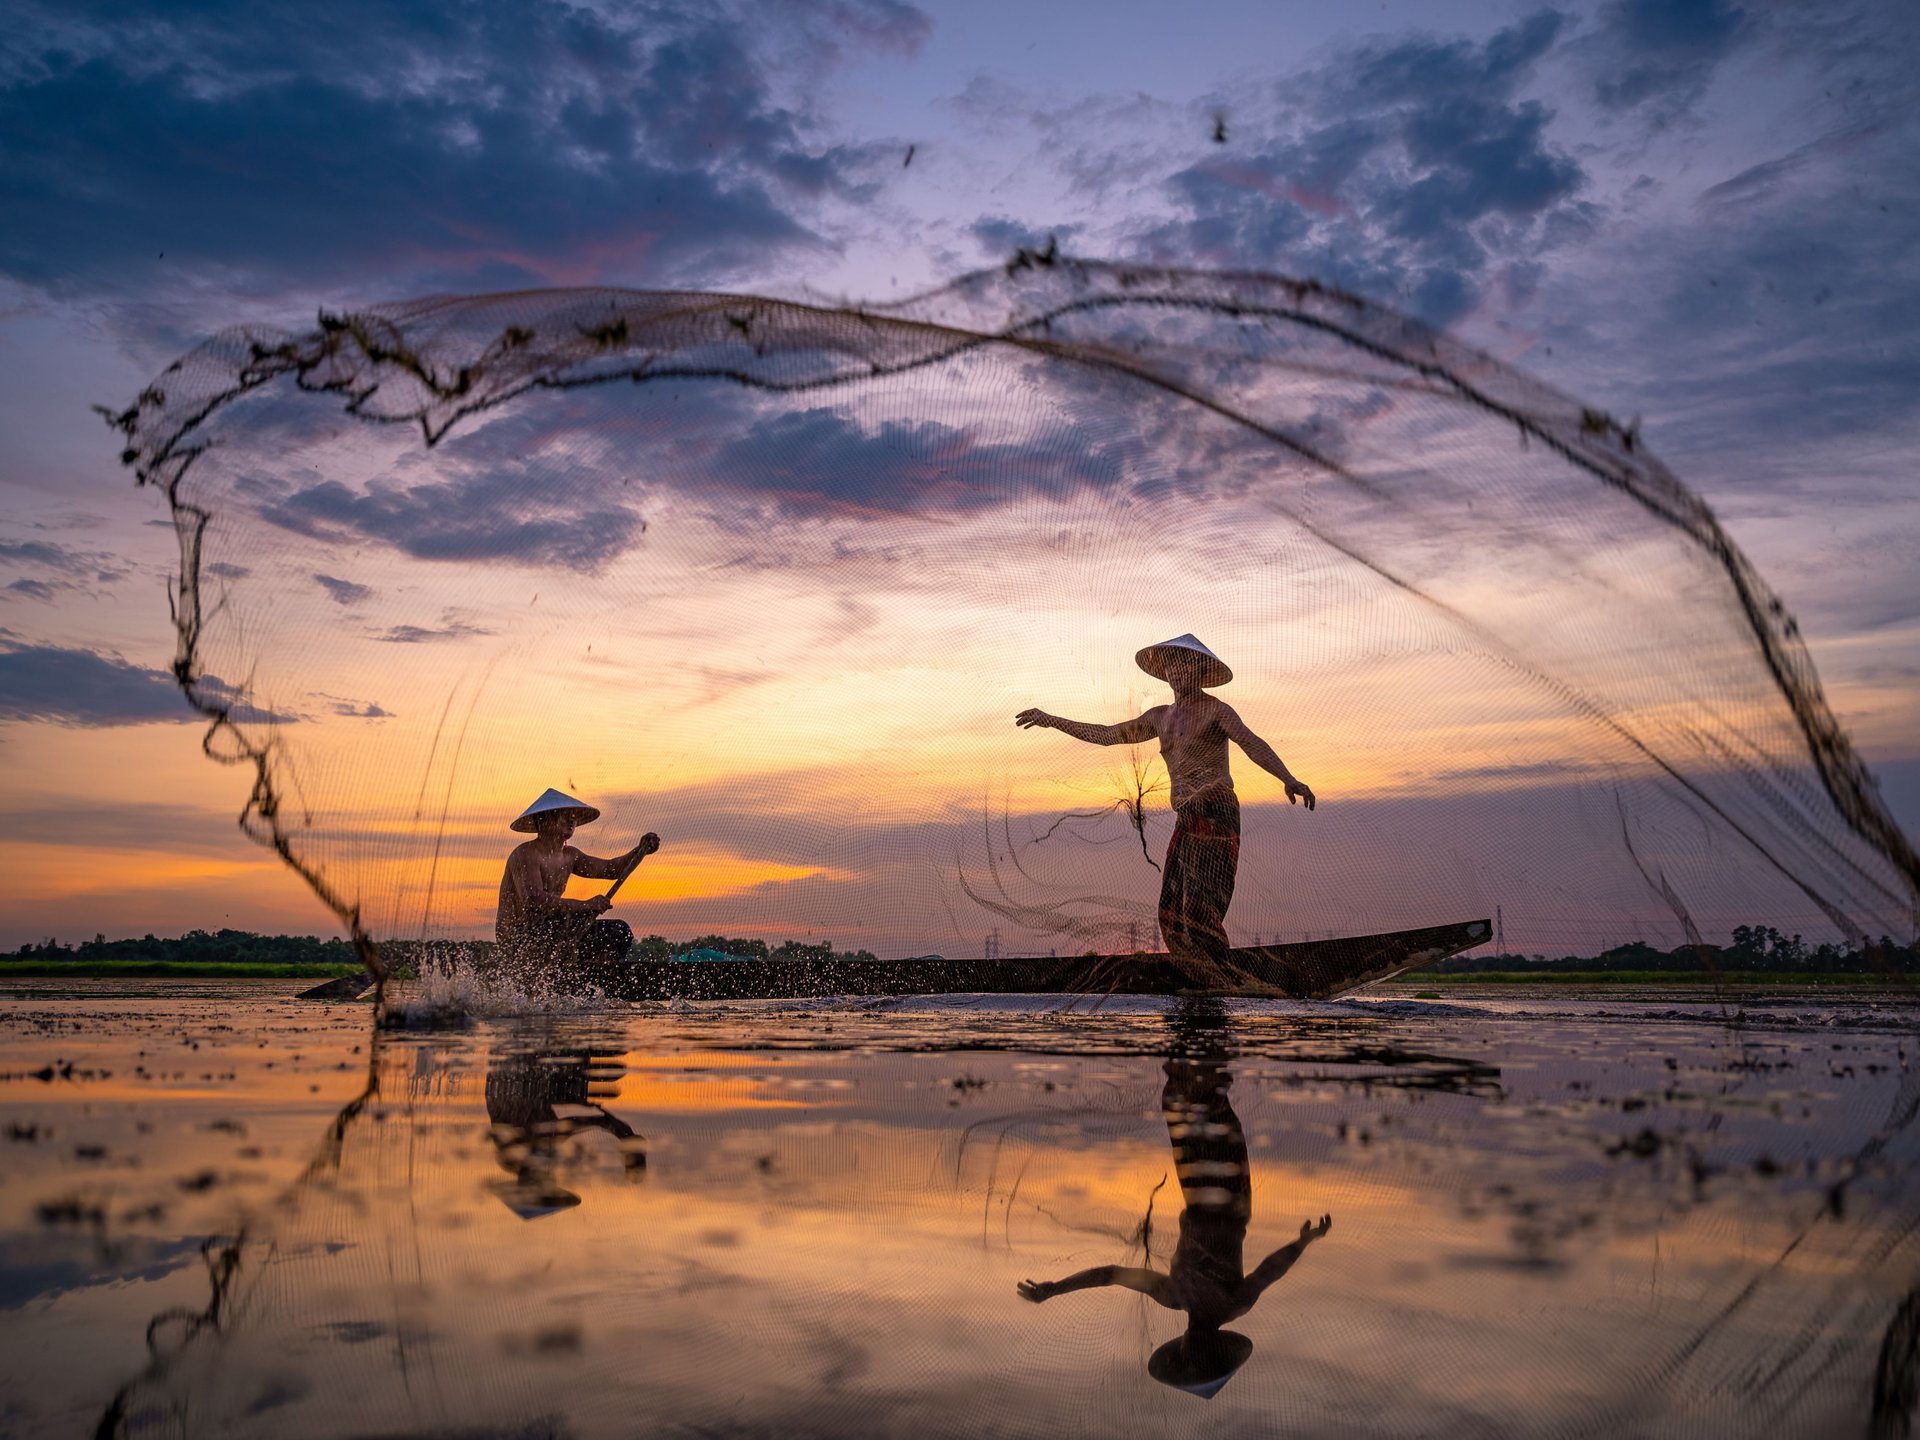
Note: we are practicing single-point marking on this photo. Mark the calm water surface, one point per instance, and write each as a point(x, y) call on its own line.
point(224, 1212)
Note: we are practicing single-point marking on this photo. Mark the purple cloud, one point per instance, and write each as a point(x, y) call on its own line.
point(344, 592)
point(85, 688)
point(618, 141)
point(1407, 169)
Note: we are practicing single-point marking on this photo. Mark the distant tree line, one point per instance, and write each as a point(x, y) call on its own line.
point(1754, 948)
point(230, 947)
point(197, 947)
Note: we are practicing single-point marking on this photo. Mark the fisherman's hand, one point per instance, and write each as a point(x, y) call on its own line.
point(1296, 790)
point(599, 905)
point(1035, 1290)
point(1027, 719)
point(1310, 1231)
point(649, 843)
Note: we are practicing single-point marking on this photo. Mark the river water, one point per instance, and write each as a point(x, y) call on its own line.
point(227, 1212)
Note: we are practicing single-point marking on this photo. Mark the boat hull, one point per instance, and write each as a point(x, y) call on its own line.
point(1309, 969)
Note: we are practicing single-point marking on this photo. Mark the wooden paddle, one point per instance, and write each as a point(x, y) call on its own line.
point(614, 889)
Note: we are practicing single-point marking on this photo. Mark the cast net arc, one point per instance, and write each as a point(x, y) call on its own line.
point(771, 578)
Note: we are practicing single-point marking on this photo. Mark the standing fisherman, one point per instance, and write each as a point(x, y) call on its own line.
point(537, 927)
point(1203, 857)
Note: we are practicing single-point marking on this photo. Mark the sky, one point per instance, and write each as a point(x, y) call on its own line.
point(1702, 215)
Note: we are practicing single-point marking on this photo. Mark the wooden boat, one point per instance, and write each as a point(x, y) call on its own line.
point(1302, 970)
point(1306, 969)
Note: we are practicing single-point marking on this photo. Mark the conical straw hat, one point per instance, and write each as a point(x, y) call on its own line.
point(533, 1201)
point(1154, 659)
point(550, 803)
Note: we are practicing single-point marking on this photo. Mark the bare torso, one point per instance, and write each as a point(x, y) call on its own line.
point(1193, 743)
point(536, 878)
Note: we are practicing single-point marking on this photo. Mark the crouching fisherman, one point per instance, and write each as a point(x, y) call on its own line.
point(537, 929)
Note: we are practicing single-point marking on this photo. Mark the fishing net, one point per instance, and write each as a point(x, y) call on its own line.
point(772, 579)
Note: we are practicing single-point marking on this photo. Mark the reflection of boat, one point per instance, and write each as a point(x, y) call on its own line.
point(525, 1089)
point(1306, 969)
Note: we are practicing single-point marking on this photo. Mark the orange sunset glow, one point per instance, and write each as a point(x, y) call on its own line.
point(913, 718)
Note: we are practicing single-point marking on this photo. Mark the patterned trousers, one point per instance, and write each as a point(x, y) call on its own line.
point(1196, 884)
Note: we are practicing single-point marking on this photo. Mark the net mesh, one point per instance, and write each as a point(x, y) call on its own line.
point(771, 578)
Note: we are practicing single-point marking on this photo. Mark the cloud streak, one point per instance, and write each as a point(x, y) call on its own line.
point(78, 687)
point(450, 629)
point(516, 513)
point(58, 569)
point(344, 592)
point(824, 463)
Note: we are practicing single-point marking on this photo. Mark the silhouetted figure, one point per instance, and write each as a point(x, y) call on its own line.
point(537, 928)
point(1203, 857)
point(1206, 1277)
point(523, 1089)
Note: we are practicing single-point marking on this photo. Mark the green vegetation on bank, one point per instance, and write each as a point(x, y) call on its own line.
point(1758, 955)
point(241, 954)
point(150, 969)
point(1534, 976)
point(1757, 951)
point(216, 953)
point(656, 947)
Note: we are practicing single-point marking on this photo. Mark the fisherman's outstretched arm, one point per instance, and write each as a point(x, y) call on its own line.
point(1263, 755)
point(592, 867)
point(1148, 1282)
point(1282, 1260)
point(633, 1145)
point(603, 1119)
point(1127, 732)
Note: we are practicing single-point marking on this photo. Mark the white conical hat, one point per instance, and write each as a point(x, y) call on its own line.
point(548, 804)
point(1154, 659)
point(533, 1202)
point(1200, 1364)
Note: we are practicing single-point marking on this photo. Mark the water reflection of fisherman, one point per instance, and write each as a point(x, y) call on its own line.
point(536, 927)
point(1206, 1277)
point(524, 1089)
